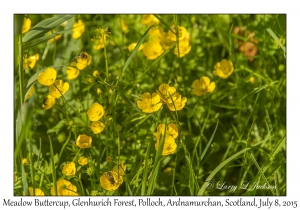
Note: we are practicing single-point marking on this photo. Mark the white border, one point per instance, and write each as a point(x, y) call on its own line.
point(153, 6)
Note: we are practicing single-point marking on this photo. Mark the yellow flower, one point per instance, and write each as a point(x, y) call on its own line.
point(83, 141)
point(38, 191)
point(149, 104)
point(156, 32)
point(69, 169)
point(153, 49)
point(124, 25)
point(97, 127)
point(181, 33)
point(47, 77)
point(83, 60)
point(58, 88)
point(95, 112)
point(55, 38)
point(100, 38)
point(203, 86)
point(111, 180)
point(165, 92)
point(31, 92)
point(149, 20)
point(26, 25)
point(171, 130)
point(29, 63)
point(120, 169)
point(223, 69)
point(96, 73)
point(176, 103)
point(99, 91)
point(252, 80)
point(133, 45)
point(64, 187)
point(15, 176)
point(109, 159)
point(184, 48)
point(48, 102)
point(72, 71)
point(83, 161)
point(169, 145)
point(25, 161)
point(78, 29)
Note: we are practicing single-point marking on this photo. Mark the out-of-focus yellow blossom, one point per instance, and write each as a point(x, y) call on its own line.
point(252, 80)
point(153, 49)
point(171, 130)
point(15, 176)
point(48, 102)
point(58, 88)
point(156, 32)
point(72, 71)
point(97, 127)
point(109, 159)
point(99, 91)
point(149, 20)
point(95, 112)
point(29, 63)
point(165, 41)
point(124, 25)
point(165, 92)
point(120, 169)
point(25, 161)
point(55, 38)
point(83, 60)
point(148, 103)
point(94, 193)
point(26, 25)
point(47, 77)
point(30, 93)
point(133, 45)
point(91, 80)
point(176, 103)
point(83, 161)
point(110, 180)
point(203, 86)
point(83, 141)
point(69, 169)
point(100, 38)
point(38, 191)
point(96, 73)
point(223, 69)
point(184, 48)
point(64, 188)
point(78, 29)
point(169, 145)
point(181, 33)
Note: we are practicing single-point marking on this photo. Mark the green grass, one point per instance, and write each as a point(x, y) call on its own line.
point(235, 134)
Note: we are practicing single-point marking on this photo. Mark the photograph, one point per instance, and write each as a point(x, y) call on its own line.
point(149, 105)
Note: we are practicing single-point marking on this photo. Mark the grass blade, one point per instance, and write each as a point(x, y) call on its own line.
point(209, 142)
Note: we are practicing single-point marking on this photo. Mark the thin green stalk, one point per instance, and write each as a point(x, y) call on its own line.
point(31, 167)
point(106, 63)
point(52, 166)
point(63, 147)
point(76, 154)
point(143, 192)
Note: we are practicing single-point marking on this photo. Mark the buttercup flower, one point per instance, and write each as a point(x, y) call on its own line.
point(111, 180)
point(78, 29)
point(64, 187)
point(100, 38)
point(148, 103)
point(83, 161)
point(120, 169)
point(149, 20)
point(47, 77)
point(203, 86)
point(26, 25)
point(25, 161)
point(97, 127)
point(176, 103)
point(83, 60)
point(124, 25)
point(95, 112)
point(156, 32)
point(133, 45)
point(31, 92)
point(184, 48)
point(55, 38)
point(58, 88)
point(181, 33)
point(69, 169)
point(169, 145)
point(153, 49)
point(48, 102)
point(29, 63)
point(252, 80)
point(96, 73)
point(223, 69)
point(171, 130)
point(109, 159)
point(72, 71)
point(83, 141)
point(165, 92)
point(38, 191)
point(99, 91)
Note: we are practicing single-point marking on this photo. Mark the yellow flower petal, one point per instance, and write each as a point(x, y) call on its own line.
point(47, 77)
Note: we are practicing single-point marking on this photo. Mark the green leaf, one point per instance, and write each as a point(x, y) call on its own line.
point(57, 127)
point(37, 41)
point(210, 140)
point(44, 26)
